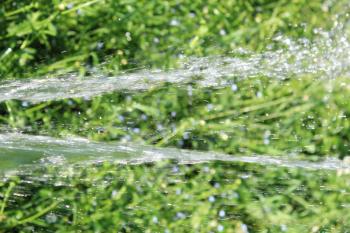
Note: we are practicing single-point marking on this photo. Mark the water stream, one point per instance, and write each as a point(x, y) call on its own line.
point(19, 149)
point(326, 57)
point(52, 183)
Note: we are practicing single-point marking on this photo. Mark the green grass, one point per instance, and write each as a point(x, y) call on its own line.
point(64, 35)
point(297, 115)
point(156, 197)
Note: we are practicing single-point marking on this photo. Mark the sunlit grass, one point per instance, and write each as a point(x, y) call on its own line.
point(303, 114)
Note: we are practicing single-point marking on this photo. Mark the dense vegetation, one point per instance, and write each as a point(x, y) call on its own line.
point(260, 115)
point(166, 197)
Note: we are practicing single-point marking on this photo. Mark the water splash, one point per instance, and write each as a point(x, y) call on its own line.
point(44, 150)
point(327, 56)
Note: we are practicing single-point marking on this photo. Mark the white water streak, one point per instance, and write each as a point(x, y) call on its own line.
point(327, 56)
point(47, 150)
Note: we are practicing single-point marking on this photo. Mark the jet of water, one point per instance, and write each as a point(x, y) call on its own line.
point(327, 56)
point(18, 149)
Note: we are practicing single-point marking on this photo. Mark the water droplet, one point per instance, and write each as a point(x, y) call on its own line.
point(234, 87)
point(267, 135)
point(222, 32)
point(244, 228)
point(155, 219)
point(136, 130)
point(180, 215)
point(51, 218)
point(222, 213)
point(156, 40)
point(210, 107)
point(128, 36)
point(189, 90)
point(259, 94)
point(99, 45)
point(144, 117)
point(284, 228)
point(220, 228)
point(24, 104)
point(175, 169)
point(114, 193)
point(180, 143)
point(178, 191)
point(70, 5)
point(174, 22)
point(159, 127)
point(186, 135)
point(121, 118)
point(211, 199)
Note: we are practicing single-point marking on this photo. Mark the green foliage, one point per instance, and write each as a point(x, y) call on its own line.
point(45, 36)
point(290, 116)
point(177, 198)
point(296, 115)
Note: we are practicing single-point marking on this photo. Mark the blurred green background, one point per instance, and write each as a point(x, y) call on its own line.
point(44, 36)
point(50, 38)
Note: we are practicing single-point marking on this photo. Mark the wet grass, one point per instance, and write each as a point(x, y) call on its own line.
point(304, 115)
point(219, 197)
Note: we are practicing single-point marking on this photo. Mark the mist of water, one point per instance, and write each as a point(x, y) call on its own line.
point(327, 57)
point(44, 150)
